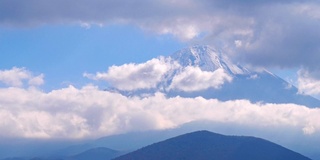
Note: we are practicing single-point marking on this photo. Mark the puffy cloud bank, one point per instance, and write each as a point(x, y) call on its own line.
point(135, 76)
point(90, 112)
point(151, 74)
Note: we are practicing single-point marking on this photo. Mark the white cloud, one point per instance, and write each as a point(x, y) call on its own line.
point(238, 43)
point(148, 75)
point(184, 31)
point(89, 112)
point(14, 76)
point(307, 84)
point(36, 81)
point(136, 76)
point(17, 76)
point(194, 79)
point(309, 130)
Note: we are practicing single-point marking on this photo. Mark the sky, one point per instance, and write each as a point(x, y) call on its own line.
point(58, 56)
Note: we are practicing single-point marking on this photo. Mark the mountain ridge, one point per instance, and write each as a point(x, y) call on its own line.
point(205, 145)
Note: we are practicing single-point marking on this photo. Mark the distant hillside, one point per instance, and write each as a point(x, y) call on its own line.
point(204, 145)
point(100, 153)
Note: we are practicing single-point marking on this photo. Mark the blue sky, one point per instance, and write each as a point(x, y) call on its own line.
point(64, 52)
point(46, 47)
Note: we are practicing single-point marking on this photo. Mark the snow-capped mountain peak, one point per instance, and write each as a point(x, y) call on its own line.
point(201, 71)
point(207, 59)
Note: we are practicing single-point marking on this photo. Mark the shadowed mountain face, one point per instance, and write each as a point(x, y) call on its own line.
point(100, 153)
point(204, 145)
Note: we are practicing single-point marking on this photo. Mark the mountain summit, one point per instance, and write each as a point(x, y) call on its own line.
point(207, 59)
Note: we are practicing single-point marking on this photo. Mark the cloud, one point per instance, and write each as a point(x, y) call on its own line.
point(18, 76)
point(36, 81)
point(135, 76)
point(283, 40)
point(153, 73)
point(259, 33)
point(90, 112)
point(307, 84)
point(194, 79)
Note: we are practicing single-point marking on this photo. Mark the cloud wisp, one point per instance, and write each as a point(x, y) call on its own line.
point(307, 84)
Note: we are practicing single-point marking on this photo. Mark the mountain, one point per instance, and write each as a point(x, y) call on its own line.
point(131, 141)
point(15, 158)
point(262, 86)
point(204, 145)
point(256, 86)
point(100, 153)
point(27, 148)
point(207, 59)
point(73, 149)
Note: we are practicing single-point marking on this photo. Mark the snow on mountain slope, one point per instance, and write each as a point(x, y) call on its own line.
point(207, 59)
